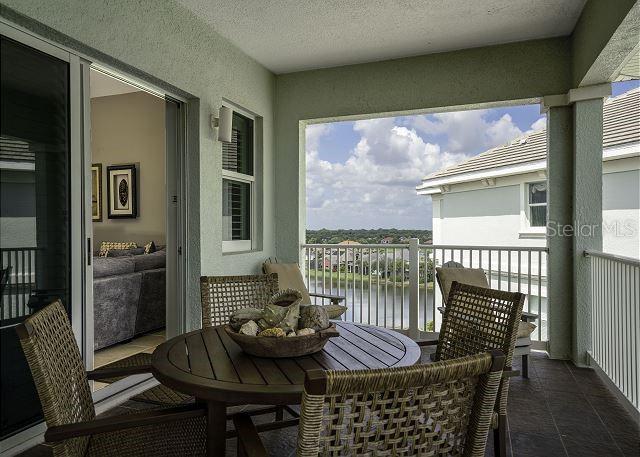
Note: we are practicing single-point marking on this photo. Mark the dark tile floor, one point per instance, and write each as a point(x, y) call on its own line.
point(561, 410)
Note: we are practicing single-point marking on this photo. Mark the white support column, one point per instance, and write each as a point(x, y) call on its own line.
point(414, 288)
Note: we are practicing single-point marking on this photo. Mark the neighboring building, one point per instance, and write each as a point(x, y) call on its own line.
point(386, 240)
point(498, 198)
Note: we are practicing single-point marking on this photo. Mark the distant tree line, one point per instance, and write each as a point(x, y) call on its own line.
point(371, 236)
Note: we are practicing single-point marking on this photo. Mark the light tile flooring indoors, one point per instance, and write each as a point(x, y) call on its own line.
point(145, 343)
point(560, 411)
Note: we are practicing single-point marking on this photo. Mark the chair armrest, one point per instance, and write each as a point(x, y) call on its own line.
point(105, 373)
point(509, 372)
point(335, 299)
point(422, 343)
point(528, 317)
point(248, 438)
point(122, 422)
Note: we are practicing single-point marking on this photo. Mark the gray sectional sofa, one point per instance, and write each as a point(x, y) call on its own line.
point(129, 296)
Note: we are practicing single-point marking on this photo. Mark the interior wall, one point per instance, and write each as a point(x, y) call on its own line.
point(130, 129)
point(165, 44)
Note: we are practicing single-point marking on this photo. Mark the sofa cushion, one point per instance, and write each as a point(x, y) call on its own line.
point(124, 252)
point(115, 305)
point(151, 261)
point(111, 266)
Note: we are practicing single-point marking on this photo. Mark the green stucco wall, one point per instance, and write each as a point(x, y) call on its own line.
point(597, 50)
point(468, 78)
point(560, 214)
point(166, 44)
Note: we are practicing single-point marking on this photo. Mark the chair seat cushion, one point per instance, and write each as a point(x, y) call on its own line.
point(525, 329)
point(471, 276)
point(289, 277)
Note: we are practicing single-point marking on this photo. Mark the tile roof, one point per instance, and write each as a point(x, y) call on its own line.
point(621, 125)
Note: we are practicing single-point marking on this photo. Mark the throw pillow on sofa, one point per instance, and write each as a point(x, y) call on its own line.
point(106, 246)
point(150, 247)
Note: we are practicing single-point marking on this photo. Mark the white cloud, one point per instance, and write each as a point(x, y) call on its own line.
point(313, 133)
point(468, 131)
point(540, 124)
point(375, 186)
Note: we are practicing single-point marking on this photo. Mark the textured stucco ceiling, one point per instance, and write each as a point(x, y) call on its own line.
point(292, 35)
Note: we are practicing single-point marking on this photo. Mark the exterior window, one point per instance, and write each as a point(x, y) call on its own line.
point(537, 204)
point(238, 185)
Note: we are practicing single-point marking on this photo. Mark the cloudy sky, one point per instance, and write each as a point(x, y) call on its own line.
point(363, 174)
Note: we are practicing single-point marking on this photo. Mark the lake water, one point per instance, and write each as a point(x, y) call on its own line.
point(372, 309)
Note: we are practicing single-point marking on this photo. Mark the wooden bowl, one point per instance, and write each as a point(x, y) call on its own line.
point(294, 346)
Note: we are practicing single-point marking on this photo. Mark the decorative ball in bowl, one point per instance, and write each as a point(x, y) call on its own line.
point(283, 346)
point(282, 328)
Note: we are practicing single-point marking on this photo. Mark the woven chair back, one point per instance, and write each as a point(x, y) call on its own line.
point(440, 409)
point(477, 320)
point(58, 372)
point(223, 295)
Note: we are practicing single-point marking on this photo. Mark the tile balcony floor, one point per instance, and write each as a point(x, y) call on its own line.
point(561, 410)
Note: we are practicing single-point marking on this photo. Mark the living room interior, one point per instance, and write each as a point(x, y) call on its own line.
point(128, 219)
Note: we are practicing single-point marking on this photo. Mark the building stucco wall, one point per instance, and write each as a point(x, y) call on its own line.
point(472, 214)
point(164, 43)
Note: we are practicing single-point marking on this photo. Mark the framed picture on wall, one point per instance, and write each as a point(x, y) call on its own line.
point(96, 192)
point(122, 196)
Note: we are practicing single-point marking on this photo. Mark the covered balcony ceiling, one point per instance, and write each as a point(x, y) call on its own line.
point(294, 35)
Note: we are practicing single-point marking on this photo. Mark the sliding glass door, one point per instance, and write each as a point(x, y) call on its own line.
point(35, 210)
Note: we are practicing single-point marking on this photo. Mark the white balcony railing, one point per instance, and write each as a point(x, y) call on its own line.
point(392, 285)
point(20, 265)
point(615, 320)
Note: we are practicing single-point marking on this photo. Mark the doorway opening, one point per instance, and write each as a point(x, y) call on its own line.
point(129, 219)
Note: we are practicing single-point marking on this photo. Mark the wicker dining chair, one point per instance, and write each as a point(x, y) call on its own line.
point(453, 271)
point(63, 388)
point(223, 295)
point(439, 409)
point(475, 320)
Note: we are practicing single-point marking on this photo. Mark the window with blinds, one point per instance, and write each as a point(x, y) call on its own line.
point(237, 185)
point(236, 217)
point(237, 156)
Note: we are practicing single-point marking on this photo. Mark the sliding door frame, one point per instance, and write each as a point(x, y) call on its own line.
point(81, 220)
point(77, 249)
point(174, 179)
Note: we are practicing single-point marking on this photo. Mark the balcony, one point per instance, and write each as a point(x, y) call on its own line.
point(582, 394)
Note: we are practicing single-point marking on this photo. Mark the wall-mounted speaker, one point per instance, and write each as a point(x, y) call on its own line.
point(225, 120)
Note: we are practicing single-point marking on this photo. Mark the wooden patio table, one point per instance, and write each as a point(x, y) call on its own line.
point(210, 366)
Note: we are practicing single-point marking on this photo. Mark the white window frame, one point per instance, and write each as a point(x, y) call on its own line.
point(233, 246)
point(526, 228)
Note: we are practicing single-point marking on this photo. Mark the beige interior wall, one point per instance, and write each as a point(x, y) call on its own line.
point(125, 129)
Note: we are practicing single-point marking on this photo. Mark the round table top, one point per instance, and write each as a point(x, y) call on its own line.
point(209, 365)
